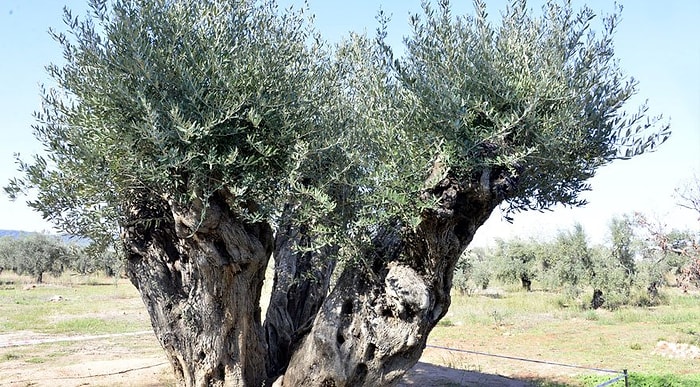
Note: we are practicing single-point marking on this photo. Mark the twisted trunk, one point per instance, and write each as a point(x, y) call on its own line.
point(375, 323)
point(201, 279)
point(300, 285)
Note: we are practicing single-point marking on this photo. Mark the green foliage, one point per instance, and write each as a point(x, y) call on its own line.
point(174, 101)
point(631, 269)
point(667, 254)
point(8, 252)
point(35, 254)
point(182, 99)
point(574, 265)
point(614, 270)
point(535, 99)
point(612, 279)
point(92, 259)
point(517, 261)
point(622, 240)
point(647, 380)
point(481, 272)
point(473, 271)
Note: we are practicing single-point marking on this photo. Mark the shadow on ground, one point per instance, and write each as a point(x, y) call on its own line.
point(426, 374)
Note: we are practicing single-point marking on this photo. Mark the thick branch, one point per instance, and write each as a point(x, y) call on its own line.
point(301, 283)
point(201, 283)
point(374, 325)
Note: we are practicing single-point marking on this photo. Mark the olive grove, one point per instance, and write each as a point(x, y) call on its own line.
point(209, 136)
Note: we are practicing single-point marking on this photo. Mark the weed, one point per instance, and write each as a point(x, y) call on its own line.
point(10, 356)
point(563, 302)
point(636, 347)
point(446, 322)
point(498, 318)
point(692, 336)
point(591, 315)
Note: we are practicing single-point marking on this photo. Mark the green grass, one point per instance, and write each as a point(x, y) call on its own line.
point(647, 380)
point(537, 325)
point(98, 308)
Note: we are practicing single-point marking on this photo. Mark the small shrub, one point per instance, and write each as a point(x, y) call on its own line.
point(592, 315)
point(498, 318)
point(446, 322)
point(645, 299)
point(10, 356)
point(563, 302)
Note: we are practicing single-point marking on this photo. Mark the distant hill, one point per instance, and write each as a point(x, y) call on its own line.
point(14, 233)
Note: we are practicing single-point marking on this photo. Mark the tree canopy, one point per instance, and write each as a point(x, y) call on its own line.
point(35, 254)
point(180, 99)
point(208, 135)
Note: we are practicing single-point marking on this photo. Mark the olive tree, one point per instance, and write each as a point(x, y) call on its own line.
point(37, 254)
point(575, 264)
point(209, 135)
point(664, 252)
point(473, 270)
point(8, 252)
point(614, 270)
point(517, 260)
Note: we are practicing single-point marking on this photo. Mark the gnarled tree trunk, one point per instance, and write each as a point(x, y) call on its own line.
point(300, 285)
point(201, 278)
point(375, 323)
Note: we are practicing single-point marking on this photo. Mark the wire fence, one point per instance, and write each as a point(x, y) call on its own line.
point(620, 375)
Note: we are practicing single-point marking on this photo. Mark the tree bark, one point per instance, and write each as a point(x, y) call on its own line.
point(301, 283)
point(201, 278)
point(375, 323)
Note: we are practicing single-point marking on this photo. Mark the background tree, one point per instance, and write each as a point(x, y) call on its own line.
point(622, 243)
point(89, 259)
point(474, 270)
point(574, 266)
point(209, 134)
point(8, 252)
point(36, 254)
point(667, 252)
point(516, 261)
point(613, 268)
point(688, 195)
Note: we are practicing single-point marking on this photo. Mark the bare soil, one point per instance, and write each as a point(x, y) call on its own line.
point(32, 359)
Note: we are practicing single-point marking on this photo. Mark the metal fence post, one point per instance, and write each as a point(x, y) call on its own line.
point(627, 379)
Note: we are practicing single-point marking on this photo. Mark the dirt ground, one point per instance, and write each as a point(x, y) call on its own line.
point(39, 360)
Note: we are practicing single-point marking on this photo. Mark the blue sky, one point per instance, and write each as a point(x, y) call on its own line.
point(657, 42)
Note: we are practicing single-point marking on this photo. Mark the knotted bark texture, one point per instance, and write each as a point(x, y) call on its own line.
point(201, 278)
point(375, 323)
point(301, 283)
